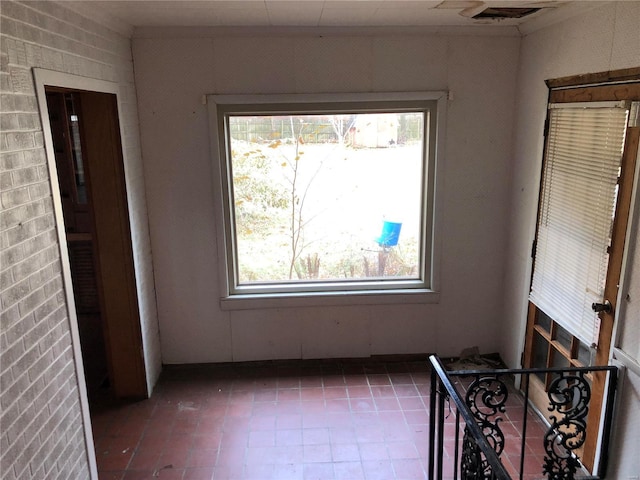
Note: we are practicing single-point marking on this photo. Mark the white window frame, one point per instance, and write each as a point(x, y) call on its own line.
point(424, 290)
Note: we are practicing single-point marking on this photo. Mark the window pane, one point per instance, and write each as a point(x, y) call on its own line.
point(543, 320)
point(559, 360)
point(563, 337)
point(540, 353)
point(585, 355)
point(327, 197)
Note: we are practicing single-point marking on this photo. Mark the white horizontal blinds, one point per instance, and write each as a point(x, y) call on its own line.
point(582, 164)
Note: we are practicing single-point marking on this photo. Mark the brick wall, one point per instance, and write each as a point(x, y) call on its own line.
point(41, 428)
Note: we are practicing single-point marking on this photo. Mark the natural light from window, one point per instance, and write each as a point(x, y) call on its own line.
point(325, 197)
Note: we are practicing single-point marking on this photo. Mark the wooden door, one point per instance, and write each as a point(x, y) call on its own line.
point(547, 343)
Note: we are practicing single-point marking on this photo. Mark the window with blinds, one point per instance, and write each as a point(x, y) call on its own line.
point(583, 153)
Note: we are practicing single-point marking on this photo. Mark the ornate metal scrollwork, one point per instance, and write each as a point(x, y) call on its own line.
point(486, 398)
point(569, 395)
point(473, 465)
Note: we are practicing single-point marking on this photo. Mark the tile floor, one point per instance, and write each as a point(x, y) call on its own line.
point(324, 420)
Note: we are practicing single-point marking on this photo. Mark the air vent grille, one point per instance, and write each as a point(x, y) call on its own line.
point(506, 12)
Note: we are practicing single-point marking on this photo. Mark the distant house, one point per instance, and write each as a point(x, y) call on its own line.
point(376, 130)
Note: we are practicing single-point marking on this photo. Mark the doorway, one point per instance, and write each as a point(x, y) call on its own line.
point(63, 108)
point(87, 148)
point(566, 330)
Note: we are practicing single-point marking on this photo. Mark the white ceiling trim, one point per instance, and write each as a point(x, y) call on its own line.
point(206, 32)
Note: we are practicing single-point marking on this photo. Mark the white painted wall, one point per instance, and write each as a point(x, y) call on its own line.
point(606, 38)
point(175, 68)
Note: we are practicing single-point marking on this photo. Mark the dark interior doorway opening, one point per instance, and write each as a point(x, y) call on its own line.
point(90, 175)
point(75, 192)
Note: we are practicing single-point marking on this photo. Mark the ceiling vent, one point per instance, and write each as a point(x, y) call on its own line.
point(505, 12)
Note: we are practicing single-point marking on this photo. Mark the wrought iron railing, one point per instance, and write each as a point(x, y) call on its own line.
point(473, 407)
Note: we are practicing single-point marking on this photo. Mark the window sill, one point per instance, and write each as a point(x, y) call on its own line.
point(315, 299)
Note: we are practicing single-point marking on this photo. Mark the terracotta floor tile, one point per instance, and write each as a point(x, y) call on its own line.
point(383, 391)
point(373, 451)
point(362, 405)
point(378, 470)
point(289, 421)
point(315, 436)
point(290, 395)
point(138, 474)
point(288, 437)
point(203, 458)
point(314, 420)
point(394, 418)
point(144, 460)
point(198, 473)
point(333, 393)
point(288, 455)
point(338, 419)
point(338, 405)
point(382, 379)
point(265, 408)
point(262, 438)
point(348, 452)
point(311, 381)
point(224, 472)
point(409, 469)
point(289, 407)
point(359, 380)
point(370, 433)
point(399, 450)
point(359, 391)
point(266, 395)
point(415, 417)
point(318, 471)
point(288, 472)
point(334, 381)
point(230, 457)
point(111, 475)
point(405, 390)
point(398, 379)
point(348, 471)
point(411, 403)
point(288, 382)
point(177, 458)
point(313, 393)
point(387, 404)
point(316, 453)
point(209, 441)
point(262, 422)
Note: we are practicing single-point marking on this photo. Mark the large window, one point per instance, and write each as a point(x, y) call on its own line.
point(324, 194)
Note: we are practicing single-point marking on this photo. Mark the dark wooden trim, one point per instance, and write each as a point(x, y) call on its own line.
point(568, 90)
point(618, 238)
point(605, 93)
point(610, 76)
point(103, 154)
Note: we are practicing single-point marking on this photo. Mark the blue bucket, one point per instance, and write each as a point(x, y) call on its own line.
point(390, 234)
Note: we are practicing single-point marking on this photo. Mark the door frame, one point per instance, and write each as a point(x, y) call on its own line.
point(579, 89)
point(42, 79)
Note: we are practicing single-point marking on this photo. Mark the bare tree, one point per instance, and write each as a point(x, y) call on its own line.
point(298, 196)
point(342, 124)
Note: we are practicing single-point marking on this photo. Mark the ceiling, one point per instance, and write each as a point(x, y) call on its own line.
point(321, 13)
